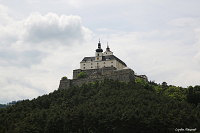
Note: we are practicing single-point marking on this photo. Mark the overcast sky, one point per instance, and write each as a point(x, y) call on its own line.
point(42, 41)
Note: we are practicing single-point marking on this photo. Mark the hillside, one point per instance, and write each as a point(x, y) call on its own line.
point(108, 106)
point(2, 105)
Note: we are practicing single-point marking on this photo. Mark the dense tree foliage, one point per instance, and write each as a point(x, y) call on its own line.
point(8, 104)
point(107, 106)
point(194, 95)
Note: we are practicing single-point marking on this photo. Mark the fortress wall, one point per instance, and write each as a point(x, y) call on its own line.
point(125, 75)
point(64, 84)
point(93, 71)
point(75, 73)
point(88, 72)
point(79, 82)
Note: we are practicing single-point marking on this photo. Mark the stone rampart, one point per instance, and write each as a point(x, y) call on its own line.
point(124, 75)
point(93, 71)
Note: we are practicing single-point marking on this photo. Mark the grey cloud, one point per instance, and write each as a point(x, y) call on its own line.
point(53, 28)
point(20, 58)
point(18, 89)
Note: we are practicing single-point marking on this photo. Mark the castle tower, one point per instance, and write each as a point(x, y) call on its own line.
point(99, 53)
point(107, 52)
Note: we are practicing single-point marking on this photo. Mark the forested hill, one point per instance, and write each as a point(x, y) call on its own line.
point(109, 106)
point(2, 105)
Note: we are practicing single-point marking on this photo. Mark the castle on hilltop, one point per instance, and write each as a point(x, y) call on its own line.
point(104, 65)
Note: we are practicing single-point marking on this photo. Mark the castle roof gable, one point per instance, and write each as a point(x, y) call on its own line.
point(88, 59)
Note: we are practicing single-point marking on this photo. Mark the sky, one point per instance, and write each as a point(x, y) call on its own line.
point(42, 41)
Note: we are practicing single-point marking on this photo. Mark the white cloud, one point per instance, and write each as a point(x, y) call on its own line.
point(52, 27)
point(4, 18)
point(185, 22)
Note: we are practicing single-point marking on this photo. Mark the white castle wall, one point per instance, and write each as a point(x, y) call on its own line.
point(101, 64)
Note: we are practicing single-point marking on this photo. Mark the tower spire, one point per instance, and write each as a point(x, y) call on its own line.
point(107, 49)
point(99, 47)
point(99, 44)
point(107, 45)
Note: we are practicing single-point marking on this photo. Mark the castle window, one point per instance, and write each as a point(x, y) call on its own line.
point(83, 67)
point(97, 58)
point(111, 65)
point(84, 64)
point(98, 55)
point(111, 62)
point(91, 67)
point(104, 63)
point(91, 63)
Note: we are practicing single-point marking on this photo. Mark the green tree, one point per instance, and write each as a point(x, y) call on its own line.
point(64, 78)
point(82, 75)
point(194, 95)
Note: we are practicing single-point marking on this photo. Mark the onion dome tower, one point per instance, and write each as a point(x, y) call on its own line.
point(99, 52)
point(99, 47)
